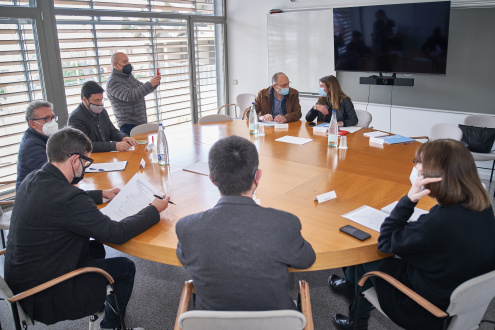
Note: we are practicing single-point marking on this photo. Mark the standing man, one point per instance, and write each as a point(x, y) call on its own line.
point(51, 224)
point(278, 102)
point(126, 94)
point(92, 119)
point(238, 252)
point(32, 151)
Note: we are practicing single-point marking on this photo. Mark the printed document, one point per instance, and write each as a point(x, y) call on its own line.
point(134, 197)
point(200, 168)
point(107, 167)
point(367, 216)
point(293, 140)
point(414, 217)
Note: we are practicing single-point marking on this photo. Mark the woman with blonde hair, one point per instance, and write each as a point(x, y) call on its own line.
point(442, 249)
point(333, 98)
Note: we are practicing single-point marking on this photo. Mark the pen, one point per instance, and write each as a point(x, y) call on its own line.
point(160, 197)
point(97, 169)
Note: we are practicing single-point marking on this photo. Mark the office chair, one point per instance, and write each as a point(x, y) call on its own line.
point(482, 121)
point(214, 118)
point(264, 320)
point(364, 118)
point(22, 320)
point(468, 302)
point(243, 101)
point(442, 131)
point(5, 216)
point(144, 128)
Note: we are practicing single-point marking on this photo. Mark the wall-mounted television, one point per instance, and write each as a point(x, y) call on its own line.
point(400, 38)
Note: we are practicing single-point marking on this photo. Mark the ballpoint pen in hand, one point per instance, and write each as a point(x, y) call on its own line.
point(160, 197)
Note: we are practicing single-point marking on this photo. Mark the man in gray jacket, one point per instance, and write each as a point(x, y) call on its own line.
point(126, 94)
point(238, 252)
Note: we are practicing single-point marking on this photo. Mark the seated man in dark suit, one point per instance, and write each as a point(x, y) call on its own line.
point(32, 151)
point(92, 119)
point(238, 252)
point(51, 225)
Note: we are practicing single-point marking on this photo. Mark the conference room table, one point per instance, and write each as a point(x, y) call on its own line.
point(292, 176)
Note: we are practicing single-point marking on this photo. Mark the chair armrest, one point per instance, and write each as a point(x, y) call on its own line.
point(58, 280)
point(420, 137)
point(223, 106)
point(6, 202)
point(244, 113)
point(306, 304)
point(2, 251)
point(405, 290)
point(185, 297)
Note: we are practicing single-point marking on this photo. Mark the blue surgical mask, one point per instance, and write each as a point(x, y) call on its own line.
point(322, 92)
point(284, 91)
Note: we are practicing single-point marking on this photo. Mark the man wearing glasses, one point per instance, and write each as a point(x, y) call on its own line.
point(32, 151)
point(278, 102)
point(92, 119)
point(51, 225)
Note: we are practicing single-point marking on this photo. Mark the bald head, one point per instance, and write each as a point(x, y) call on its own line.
point(119, 60)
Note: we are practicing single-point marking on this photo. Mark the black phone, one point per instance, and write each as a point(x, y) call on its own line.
point(354, 232)
point(311, 124)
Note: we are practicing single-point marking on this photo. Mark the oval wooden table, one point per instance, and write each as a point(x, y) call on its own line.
point(292, 176)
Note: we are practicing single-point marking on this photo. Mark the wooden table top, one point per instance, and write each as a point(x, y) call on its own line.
point(292, 176)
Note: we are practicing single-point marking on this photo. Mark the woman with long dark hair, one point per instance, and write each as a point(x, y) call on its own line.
point(333, 98)
point(442, 249)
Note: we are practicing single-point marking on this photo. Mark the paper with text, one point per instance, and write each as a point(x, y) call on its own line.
point(293, 140)
point(134, 197)
point(414, 217)
point(367, 216)
point(107, 167)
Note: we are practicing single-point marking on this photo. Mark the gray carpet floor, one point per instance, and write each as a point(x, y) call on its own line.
point(157, 289)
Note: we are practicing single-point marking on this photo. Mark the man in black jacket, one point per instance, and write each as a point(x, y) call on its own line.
point(92, 119)
point(52, 222)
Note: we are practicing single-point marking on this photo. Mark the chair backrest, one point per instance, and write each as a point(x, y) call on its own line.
point(244, 101)
point(266, 320)
point(480, 121)
point(469, 301)
point(5, 294)
point(364, 118)
point(445, 131)
point(144, 128)
point(214, 118)
point(5, 219)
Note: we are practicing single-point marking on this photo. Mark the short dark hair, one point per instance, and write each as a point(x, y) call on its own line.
point(35, 105)
point(89, 88)
point(67, 141)
point(233, 162)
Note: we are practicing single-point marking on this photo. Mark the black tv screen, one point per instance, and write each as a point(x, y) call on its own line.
point(401, 38)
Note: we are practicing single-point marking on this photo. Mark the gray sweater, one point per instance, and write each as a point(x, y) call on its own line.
point(237, 254)
point(126, 94)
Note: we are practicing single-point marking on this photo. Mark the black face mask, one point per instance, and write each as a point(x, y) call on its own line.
point(127, 69)
point(77, 179)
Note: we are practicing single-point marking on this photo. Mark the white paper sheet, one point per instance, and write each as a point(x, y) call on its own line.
point(414, 217)
point(367, 216)
point(200, 168)
point(107, 167)
point(350, 129)
point(293, 140)
point(130, 149)
point(134, 197)
point(375, 134)
point(267, 123)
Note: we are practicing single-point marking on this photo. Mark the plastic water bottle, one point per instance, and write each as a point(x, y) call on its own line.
point(162, 146)
point(253, 121)
point(333, 131)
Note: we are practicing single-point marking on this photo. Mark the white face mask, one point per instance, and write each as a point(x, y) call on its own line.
point(49, 128)
point(414, 176)
point(96, 108)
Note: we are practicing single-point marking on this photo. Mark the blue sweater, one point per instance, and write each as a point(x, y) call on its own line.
point(32, 154)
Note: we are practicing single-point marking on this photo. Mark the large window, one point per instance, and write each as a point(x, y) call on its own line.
point(181, 38)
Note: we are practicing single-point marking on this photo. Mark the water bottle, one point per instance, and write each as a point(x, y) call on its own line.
point(333, 131)
point(253, 121)
point(162, 146)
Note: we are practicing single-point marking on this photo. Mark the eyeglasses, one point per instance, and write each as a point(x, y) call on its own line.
point(416, 161)
point(47, 119)
point(88, 161)
point(285, 85)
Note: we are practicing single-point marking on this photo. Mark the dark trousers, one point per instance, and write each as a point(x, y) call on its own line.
point(353, 274)
point(123, 271)
point(126, 128)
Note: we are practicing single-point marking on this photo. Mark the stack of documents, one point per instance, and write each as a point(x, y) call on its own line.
point(396, 139)
point(293, 140)
point(373, 218)
point(375, 134)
